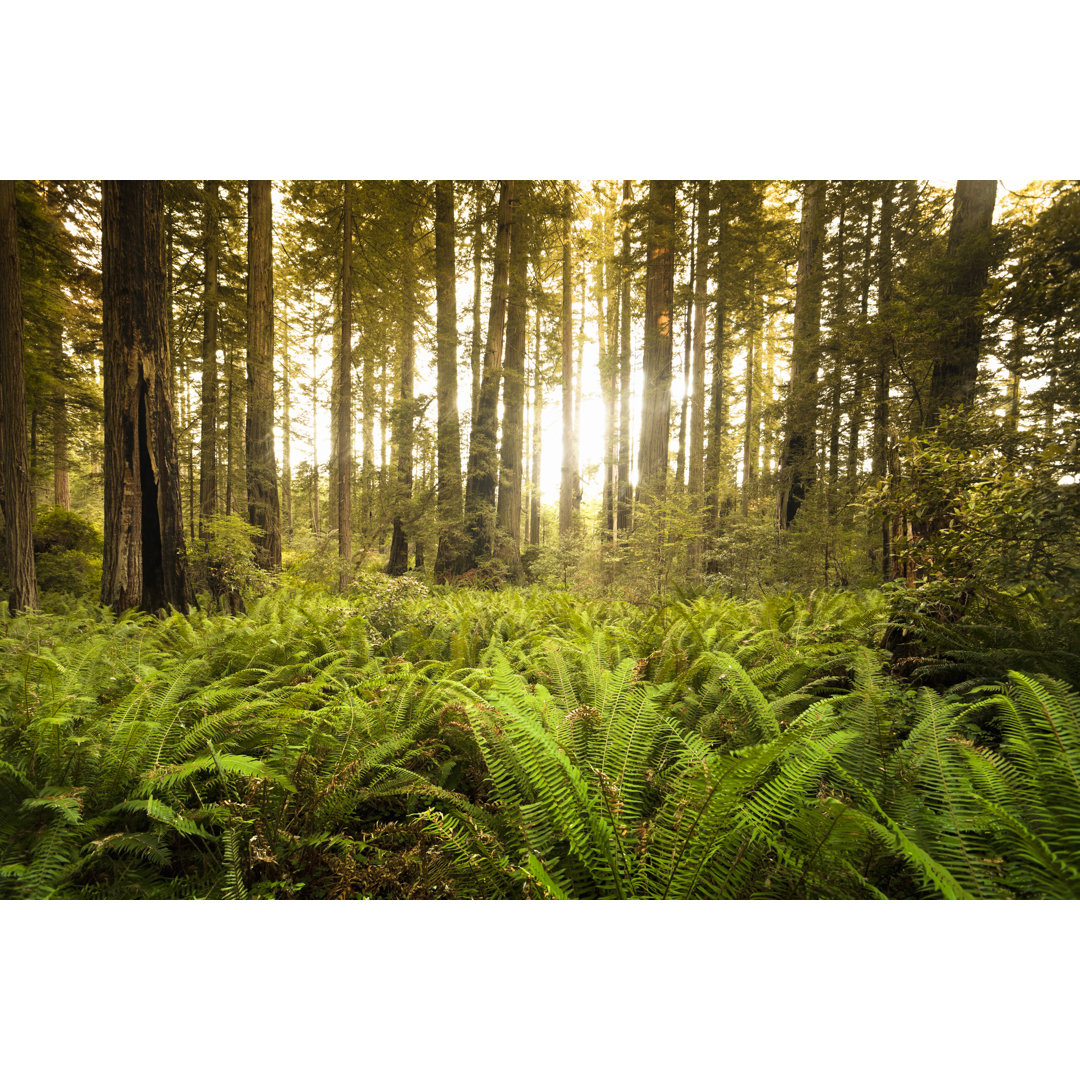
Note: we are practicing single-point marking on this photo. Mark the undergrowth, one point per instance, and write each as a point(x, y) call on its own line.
point(399, 741)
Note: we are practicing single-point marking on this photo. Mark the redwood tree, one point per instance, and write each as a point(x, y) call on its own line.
point(145, 560)
point(15, 468)
point(797, 460)
point(659, 288)
point(262, 489)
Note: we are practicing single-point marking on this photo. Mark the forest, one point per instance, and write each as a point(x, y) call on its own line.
point(540, 539)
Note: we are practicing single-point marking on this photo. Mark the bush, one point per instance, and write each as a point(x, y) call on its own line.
point(67, 552)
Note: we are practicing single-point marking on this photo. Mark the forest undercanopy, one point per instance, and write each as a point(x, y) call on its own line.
point(704, 538)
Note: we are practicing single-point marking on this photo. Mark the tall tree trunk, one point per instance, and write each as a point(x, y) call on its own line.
point(569, 464)
point(451, 507)
point(286, 423)
point(316, 524)
point(884, 360)
point(956, 365)
point(262, 492)
point(61, 475)
point(14, 460)
point(579, 394)
point(626, 502)
point(854, 461)
point(607, 325)
point(696, 483)
point(714, 462)
point(684, 410)
point(230, 431)
point(209, 405)
point(145, 560)
point(750, 421)
point(508, 517)
point(537, 434)
point(343, 397)
point(797, 461)
point(839, 346)
point(656, 392)
point(477, 351)
point(402, 446)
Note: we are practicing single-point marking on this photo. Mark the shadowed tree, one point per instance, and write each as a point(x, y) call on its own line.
point(262, 490)
point(145, 560)
point(569, 463)
point(797, 459)
point(450, 504)
point(209, 417)
point(659, 290)
point(15, 467)
point(483, 456)
point(967, 267)
point(342, 398)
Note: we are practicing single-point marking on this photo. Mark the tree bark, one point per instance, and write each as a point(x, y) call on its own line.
point(450, 505)
point(625, 499)
point(209, 405)
point(797, 462)
point(15, 463)
point(656, 393)
point(696, 482)
point(145, 560)
point(537, 435)
point(402, 446)
point(508, 516)
point(263, 507)
point(569, 464)
point(343, 397)
point(956, 365)
point(884, 361)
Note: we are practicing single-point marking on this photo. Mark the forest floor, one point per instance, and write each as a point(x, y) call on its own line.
point(405, 741)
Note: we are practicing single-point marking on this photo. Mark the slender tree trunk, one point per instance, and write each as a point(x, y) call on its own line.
point(61, 481)
point(696, 483)
point(751, 419)
point(579, 394)
point(680, 460)
point(398, 561)
point(537, 434)
point(343, 396)
point(656, 393)
point(956, 365)
point(316, 524)
point(508, 517)
point(839, 345)
point(230, 436)
point(209, 405)
point(607, 326)
point(14, 460)
point(884, 360)
point(451, 507)
point(477, 351)
point(286, 424)
point(569, 464)
point(625, 494)
point(145, 560)
point(483, 456)
point(797, 461)
point(715, 456)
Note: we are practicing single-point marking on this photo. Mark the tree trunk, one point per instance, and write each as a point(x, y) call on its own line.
point(714, 462)
point(751, 418)
point(956, 365)
point(508, 517)
point(684, 410)
point(451, 509)
point(343, 397)
point(476, 352)
point(854, 462)
point(286, 424)
point(797, 462)
point(537, 435)
point(61, 481)
point(398, 560)
point(14, 460)
point(626, 501)
point(569, 465)
point(656, 392)
point(884, 359)
point(696, 483)
point(263, 511)
point(209, 404)
point(316, 524)
point(145, 560)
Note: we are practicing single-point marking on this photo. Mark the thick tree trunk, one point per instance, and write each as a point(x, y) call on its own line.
point(343, 397)
point(263, 507)
point(508, 517)
point(398, 560)
point(797, 462)
point(569, 464)
point(145, 561)
point(14, 460)
point(656, 392)
point(450, 505)
point(209, 405)
point(956, 365)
